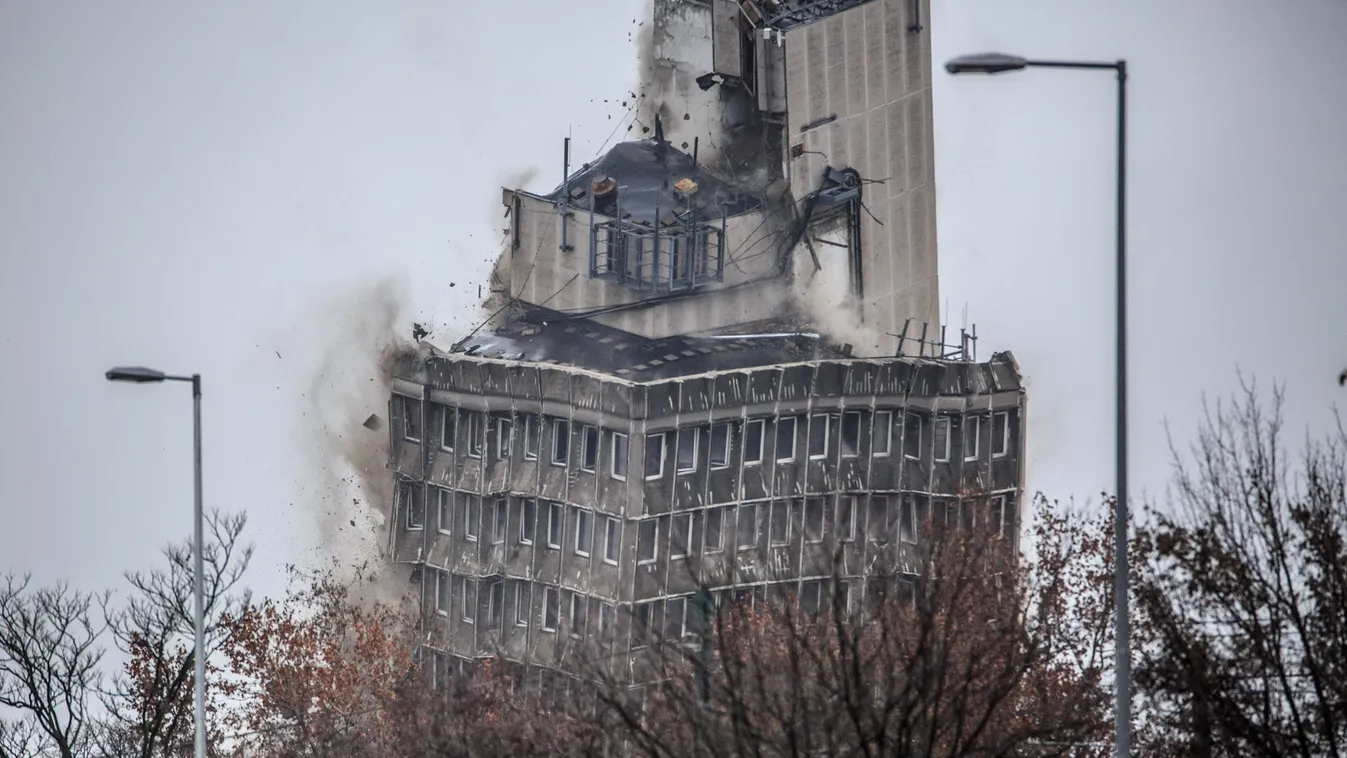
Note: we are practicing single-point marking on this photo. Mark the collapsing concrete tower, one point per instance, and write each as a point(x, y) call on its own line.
point(725, 358)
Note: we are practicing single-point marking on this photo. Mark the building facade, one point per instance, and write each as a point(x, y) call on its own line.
point(655, 409)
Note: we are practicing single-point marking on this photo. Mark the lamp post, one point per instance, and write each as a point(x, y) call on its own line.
point(995, 63)
point(139, 375)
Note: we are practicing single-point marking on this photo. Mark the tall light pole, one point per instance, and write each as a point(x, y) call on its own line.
point(140, 375)
point(995, 63)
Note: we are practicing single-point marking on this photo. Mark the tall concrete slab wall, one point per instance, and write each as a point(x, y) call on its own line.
point(858, 89)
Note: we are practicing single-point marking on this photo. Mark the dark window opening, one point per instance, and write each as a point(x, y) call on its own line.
point(646, 549)
point(753, 433)
point(687, 450)
point(413, 501)
point(785, 440)
point(556, 522)
point(589, 453)
point(813, 519)
point(912, 437)
point(818, 436)
point(747, 527)
point(619, 455)
point(528, 514)
point(712, 529)
point(851, 434)
point(942, 438)
point(780, 526)
point(720, 446)
point(654, 456)
point(561, 442)
point(411, 418)
point(448, 427)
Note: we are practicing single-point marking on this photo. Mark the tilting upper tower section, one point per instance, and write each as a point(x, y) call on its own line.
point(789, 182)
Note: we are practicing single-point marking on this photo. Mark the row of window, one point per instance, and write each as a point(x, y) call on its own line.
point(462, 513)
point(718, 439)
point(816, 517)
point(492, 602)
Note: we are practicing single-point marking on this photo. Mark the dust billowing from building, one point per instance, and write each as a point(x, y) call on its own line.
point(348, 492)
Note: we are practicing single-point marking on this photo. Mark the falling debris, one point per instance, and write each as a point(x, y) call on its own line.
point(419, 332)
point(373, 423)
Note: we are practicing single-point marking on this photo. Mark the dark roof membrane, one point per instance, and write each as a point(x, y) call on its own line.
point(646, 173)
point(590, 345)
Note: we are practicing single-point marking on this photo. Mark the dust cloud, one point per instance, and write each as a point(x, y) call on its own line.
point(351, 488)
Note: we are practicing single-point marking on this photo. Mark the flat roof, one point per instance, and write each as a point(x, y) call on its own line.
point(554, 338)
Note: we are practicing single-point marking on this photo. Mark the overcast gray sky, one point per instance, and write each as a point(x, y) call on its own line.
point(204, 187)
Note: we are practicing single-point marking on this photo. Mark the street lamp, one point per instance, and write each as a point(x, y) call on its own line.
point(141, 375)
point(995, 63)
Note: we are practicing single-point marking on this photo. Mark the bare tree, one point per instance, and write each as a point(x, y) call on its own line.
point(149, 704)
point(1242, 593)
point(20, 738)
point(975, 654)
point(49, 659)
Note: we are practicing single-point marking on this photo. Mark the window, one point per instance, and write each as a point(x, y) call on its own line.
point(720, 446)
point(813, 519)
point(607, 616)
point(468, 510)
point(618, 450)
point(476, 434)
point(521, 604)
point(532, 432)
point(654, 456)
point(442, 592)
point(439, 674)
point(882, 433)
point(879, 519)
point(785, 439)
point(589, 448)
point(550, 605)
point(810, 593)
point(640, 624)
point(675, 622)
point(413, 502)
point(579, 606)
point(504, 437)
point(846, 518)
point(818, 437)
point(711, 530)
point(972, 430)
point(556, 522)
point(646, 549)
point(753, 433)
point(411, 418)
point(561, 442)
point(687, 450)
point(448, 427)
point(469, 601)
point(528, 520)
point(1000, 434)
point(942, 438)
point(780, 526)
point(495, 603)
point(500, 511)
point(1003, 517)
point(444, 507)
point(584, 522)
point(912, 437)
point(907, 524)
point(851, 434)
point(746, 529)
point(680, 535)
point(612, 539)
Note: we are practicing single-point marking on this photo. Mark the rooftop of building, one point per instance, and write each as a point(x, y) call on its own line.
point(551, 338)
point(784, 14)
point(648, 174)
point(543, 336)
